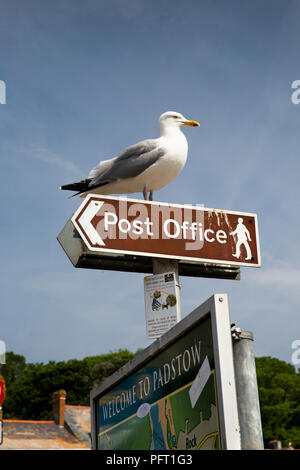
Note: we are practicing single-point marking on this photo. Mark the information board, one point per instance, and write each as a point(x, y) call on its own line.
point(178, 394)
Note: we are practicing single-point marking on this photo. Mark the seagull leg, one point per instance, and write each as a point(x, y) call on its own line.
point(151, 196)
point(145, 193)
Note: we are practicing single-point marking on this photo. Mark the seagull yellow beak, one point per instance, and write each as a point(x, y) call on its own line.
point(191, 123)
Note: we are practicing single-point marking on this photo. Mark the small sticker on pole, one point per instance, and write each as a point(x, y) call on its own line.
point(161, 304)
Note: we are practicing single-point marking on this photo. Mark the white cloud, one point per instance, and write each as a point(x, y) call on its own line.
point(282, 276)
point(43, 154)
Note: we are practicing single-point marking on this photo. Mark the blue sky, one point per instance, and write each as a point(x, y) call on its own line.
point(86, 79)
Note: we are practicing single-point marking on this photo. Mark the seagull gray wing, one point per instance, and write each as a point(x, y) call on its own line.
point(132, 162)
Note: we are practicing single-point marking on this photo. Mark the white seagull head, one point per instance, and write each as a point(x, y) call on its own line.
point(173, 120)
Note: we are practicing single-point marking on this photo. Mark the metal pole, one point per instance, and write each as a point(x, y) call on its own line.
point(247, 391)
point(161, 266)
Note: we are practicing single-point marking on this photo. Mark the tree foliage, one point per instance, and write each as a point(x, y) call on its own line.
point(29, 387)
point(279, 394)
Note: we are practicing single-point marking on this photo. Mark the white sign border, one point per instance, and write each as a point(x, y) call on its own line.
point(225, 375)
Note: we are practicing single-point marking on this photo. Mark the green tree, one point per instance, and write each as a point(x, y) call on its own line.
point(279, 392)
point(30, 386)
point(104, 369)
point(14, 367)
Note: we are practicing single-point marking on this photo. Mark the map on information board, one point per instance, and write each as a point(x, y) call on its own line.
point(170, 424)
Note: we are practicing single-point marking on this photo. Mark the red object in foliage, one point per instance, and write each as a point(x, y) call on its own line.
point(2, 390)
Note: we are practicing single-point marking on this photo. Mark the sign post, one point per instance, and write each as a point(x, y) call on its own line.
point(168, 239)
point(247, 392)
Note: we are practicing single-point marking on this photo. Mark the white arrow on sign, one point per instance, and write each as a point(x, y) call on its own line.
point(85, 220)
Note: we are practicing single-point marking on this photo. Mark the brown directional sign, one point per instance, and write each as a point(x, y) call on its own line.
point(183, 232)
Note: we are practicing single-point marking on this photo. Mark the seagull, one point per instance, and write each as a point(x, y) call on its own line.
point(144, 167)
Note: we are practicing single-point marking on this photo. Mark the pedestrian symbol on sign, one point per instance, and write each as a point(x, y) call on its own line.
point(243, 236)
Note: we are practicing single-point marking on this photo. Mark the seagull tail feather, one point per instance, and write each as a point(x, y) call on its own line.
point(80, 186)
